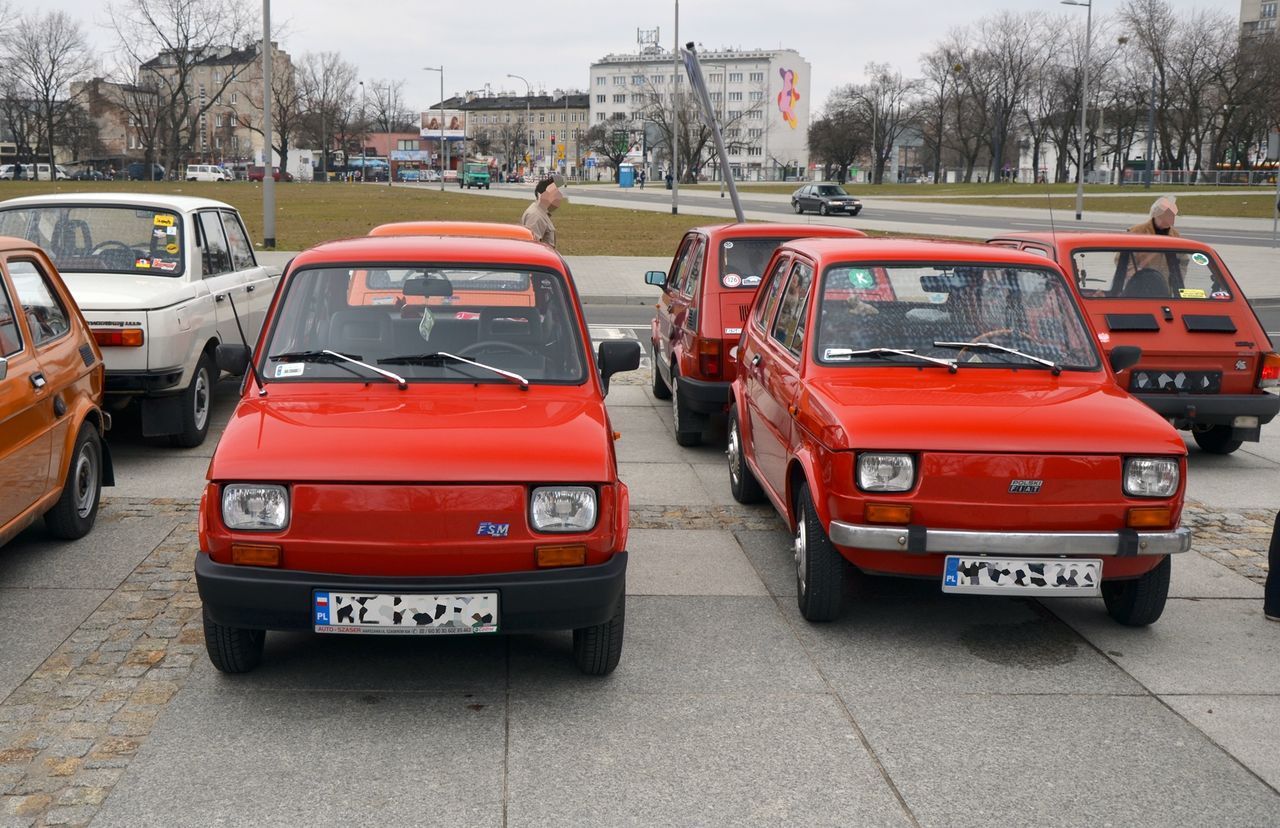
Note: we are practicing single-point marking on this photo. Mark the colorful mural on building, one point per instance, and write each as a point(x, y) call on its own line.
point(788, 97)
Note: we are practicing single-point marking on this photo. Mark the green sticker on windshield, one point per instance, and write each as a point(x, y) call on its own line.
point(1200, 259)
point(861, 278)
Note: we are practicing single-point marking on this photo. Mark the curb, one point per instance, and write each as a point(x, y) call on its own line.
point(615, 299)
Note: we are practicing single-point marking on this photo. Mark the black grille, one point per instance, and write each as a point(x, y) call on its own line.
point(1175, 382)
point(86, 353)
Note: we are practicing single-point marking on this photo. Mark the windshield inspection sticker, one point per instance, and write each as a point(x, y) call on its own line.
point(861, 278)
point(163, 220)
point(1191, 293)
point(731, 280)
point(290, 369)
point(1200, 259)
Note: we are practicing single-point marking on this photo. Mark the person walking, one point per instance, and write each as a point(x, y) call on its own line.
point(641, 179)
point(537, 216)
point(1164, 210)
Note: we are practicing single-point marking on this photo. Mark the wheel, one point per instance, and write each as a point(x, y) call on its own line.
point(742, 483)
point(1216, 439)
point(819, 567)
point(688, 424)
point(1140, 601)
point(660, 389)
point(73, 515)
point(596, 650)
point(232, 649)
point(795, 205)
point(822, 209)
point(855, 212)
point(196, 402)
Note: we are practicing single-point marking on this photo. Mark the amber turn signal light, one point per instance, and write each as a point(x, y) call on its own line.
point(574, 554)
point(887, 513)
point(252, 554)
point(118, 337)
point(1150, 518)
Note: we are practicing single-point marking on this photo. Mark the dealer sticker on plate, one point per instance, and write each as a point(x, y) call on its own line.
point(363, 613)
point(996, 576)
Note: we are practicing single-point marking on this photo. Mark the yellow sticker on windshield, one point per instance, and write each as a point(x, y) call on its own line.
point(1191, 293)
point(163, 220)
point(171, 248)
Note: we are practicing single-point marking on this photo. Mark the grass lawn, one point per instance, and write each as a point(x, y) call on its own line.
point(1251, 205)
point(927, 190)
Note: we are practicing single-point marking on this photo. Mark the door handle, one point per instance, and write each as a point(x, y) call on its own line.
point(38, 381)
point(219, 297)
point(755, 361)
point(250, 288)
point(669, 307)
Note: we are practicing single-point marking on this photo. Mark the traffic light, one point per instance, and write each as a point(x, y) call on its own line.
point(553, 139)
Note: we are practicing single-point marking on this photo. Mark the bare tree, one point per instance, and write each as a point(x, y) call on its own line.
point(287, 108)
point(610, 139)
point(138, 97)
point(886, 100)
point(327, 83)
point(938, 89)
point(841, 135)
point(696, 146)
point(43, 54)
point(512, 141)
point(22, 120)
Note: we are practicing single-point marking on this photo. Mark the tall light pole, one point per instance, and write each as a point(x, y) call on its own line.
point(675, 119)
point(1084, 100)
point(528, 118)
point(364, 165)
point(268, 179)
point(439, 69)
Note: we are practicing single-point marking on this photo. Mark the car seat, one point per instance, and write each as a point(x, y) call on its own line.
point(364, 333)
point(1147, 283)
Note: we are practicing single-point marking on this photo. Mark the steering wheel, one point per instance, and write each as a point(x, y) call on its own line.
point(101, 248)
point(1014, 335)
point(496, 345)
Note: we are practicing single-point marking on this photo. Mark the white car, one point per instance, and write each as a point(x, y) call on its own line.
point(161, 281)
point(207, 172)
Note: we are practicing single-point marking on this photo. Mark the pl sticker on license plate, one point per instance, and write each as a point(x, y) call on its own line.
point(421, 614)
point(997, 576)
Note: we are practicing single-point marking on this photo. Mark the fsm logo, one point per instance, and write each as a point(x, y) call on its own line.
point(493, 530)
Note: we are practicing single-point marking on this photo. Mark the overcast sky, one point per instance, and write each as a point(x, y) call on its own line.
point(554, 42)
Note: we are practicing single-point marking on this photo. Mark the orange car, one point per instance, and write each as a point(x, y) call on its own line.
point(53, 461)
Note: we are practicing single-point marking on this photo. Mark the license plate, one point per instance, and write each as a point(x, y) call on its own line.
point(363, 613)
point(1006, 576)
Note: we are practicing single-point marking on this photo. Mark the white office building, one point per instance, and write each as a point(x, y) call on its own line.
point(762, 98)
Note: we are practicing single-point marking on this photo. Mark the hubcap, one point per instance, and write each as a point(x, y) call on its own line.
point(200, 403)
point(800, 548)
point(735, 453)
point(84, 477)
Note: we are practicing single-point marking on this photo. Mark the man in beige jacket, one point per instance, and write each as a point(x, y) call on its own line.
point(537, 217)
point(1164, 210)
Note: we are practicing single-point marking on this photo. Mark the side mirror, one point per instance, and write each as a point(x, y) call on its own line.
point(4, 368)
point(234, 359)
point(658, 278)
point(617, 355)
point(1125, 356)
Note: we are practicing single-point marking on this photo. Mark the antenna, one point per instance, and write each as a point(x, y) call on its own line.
point(1053, 228)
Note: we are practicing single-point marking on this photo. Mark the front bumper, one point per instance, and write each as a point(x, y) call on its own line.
point(1219, 409)
point(921, 540)
point(548, 599)
point(160, 381)
point(705, 397)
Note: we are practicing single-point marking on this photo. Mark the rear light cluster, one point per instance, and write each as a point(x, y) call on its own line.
point(708, 351)
point(1269, 376)
point(118, 337)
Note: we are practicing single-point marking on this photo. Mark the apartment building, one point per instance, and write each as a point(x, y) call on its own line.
point(534, 133)
point(762, 98)
point(1258, 17)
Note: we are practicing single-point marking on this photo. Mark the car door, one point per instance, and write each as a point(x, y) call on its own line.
point(780, 378)
point(668, 304)
point(26, 413)
point(755, 352)
point(224, 282)
point(258, 284)
point(684, 318)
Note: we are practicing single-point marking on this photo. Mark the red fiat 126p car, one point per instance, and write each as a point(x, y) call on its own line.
point(705, 296)
point(941, 410)
point(1207, 364)
point(413, 468)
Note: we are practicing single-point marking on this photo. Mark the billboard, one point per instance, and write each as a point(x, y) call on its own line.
point(455, 123)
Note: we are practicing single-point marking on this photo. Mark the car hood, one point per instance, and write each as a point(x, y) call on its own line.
point(429, 433)
point(123, 291)
point(1003, 411)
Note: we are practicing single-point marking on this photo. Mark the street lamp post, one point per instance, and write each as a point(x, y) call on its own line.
point(439, 69)
point(1084, 100)
point(528, 118)
point(364, 164)
point(268, 180)
point(675, 119)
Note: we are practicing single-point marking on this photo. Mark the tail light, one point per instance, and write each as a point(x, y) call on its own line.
point(1269, 376)
point(708, 357)
point(118, 337)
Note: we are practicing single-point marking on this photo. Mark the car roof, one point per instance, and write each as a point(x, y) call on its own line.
point(168, 202)
point(767, 230)
point(10, 244)
point(911, 250)
point(1073, 239)
point(481, 229)
point(446, 249)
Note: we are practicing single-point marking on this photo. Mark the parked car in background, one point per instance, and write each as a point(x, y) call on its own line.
point(53, 461)
point(257, 173)
point(941, 410)
point(825, 199)
point(161, 280)
point(430, 175)
point(138, 171)
point(468, 481)
point(88, 174)
point(1207, 363)
point(474, 174)
point(206, 172)
point(8, 172)
point(705, 295)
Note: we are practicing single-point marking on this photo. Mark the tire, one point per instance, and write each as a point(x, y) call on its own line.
point(1140, 601)
point(855, 212)
point(688, 424)
point(795, 205)
point(77, 508)
point(742, 482)
point(819, 567)
point(822, 209)
point(197, 403)
point(232, 649)
point(661, 390)
point(1216, 440)
point(596, 650)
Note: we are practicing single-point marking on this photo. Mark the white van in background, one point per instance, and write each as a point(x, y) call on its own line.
point(206, 172)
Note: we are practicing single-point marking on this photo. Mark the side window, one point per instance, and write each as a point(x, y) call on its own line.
point(46, 317)
point(10, 335)
point(693, 273)
point(238, 241)
point(680, 268)
point(796, 345)
point(770, 292)
point(217, 259)
point(788, 328)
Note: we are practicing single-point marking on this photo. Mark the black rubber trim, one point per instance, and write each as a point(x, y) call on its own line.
point(1132, 322)
point(1219, 409)
point(917, 539)
point(1128, 546)
point(144, 382)
point(1208, 324)
point(705, 397)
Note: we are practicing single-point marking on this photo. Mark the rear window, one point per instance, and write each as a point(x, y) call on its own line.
point(742, 261)
point(113, 238)
point(1149, 273)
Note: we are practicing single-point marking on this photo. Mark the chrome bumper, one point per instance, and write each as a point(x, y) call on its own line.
point(920, 540)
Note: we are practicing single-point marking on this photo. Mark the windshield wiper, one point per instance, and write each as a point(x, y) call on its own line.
point(991, 346)
point(444, 358)
point(333, 357)
point(885, 353)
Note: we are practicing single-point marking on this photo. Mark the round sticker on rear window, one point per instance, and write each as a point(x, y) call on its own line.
point(731, 280)
point(1200, 259)
point(861, 278)
point(728, 245)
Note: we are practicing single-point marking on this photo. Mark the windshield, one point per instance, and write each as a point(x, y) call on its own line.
point(912, 307)
point(742, 261)
point(1149, 274)
point(517, 321)
point(102, 239)
point(831, 190)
